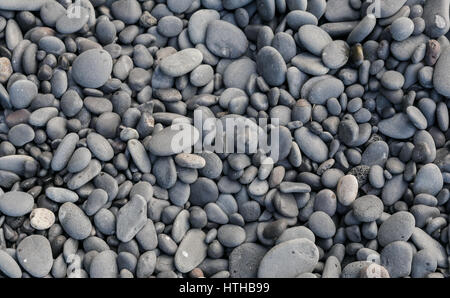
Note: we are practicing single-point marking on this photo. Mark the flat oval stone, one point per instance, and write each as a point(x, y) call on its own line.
point(244, 260)
point(396, 257)
point(398, 227)
point(322, 225)
point(131, 218)
point(347, 190)
point(416, 117)
point(171, 140)
point(375, 154)
point(441, 77)
point(336, 54)
point(16, 203)
point(393, 190)
point(191, 251)
point(428, 180)
point(392, 80)
point(238, 73)
point(80, 160)
point(181, 62)
point(314, 38)
point(402, 28)
point(92, 68)
point(289, 259)
point(139, 156)
point(203, 191)
point(52, 45)
point(21, 134)
point(311, 145)
point(325, 89)
point(271, 66)
point(61, 195)
point(34, 254)
point(362, 30)
point(9, 266)
point(41, 116)
point(231, 235)
point(225, 40)
point(22, 93)
point(104, 265)
point(42, 218)
point(74, 221)
point(397, 127)
point(99, 146)
point(310, 64)
point(64, 151)
point(367, 208)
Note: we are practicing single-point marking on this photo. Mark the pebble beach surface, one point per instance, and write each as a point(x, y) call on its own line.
point(111, 156)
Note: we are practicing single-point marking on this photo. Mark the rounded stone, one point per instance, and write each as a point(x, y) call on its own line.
point(367, 208)
point(271, 65)
point(34, 254)
point(42, 218)
point(16, 203)
point(398, 227)
point(289, 259)
point(92, 68)
point(225, 40)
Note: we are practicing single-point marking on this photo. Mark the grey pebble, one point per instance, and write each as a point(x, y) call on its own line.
point(34, 254)
point(289, 259)
point(191, 251)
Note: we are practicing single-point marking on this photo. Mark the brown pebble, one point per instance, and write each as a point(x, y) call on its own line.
point(357, 54)
point(196, 273)
point(5, 69)
point(433, 52)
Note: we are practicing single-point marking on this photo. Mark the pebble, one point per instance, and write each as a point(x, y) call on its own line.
point(16, 203)
point(397, 227)
point(245, 259)
point(336, 54)
point(271, 66)
point(289, 259)
point(92, 68)
point(9, 266)
point(313, 38)
point(42, 218)
point(397, 127)
point(347, 190)
point(231, 235)
point(402, 28)
point(311, 145)
point(191, 251)
point(321, 225)
point(74, 221)
point(428, 180)
point(225, 40)
point(34, 254)
point(22, 93)
point(104, 265)
point(181, 62)
point(367, 208)
point(61, 195)
point(396, 257)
